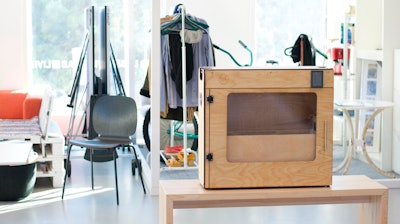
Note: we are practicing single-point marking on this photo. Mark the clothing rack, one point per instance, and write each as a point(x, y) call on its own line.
point(182, 56)
point(180, 9)
point(183, 15)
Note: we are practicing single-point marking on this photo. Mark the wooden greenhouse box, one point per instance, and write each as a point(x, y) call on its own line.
point(265, 127)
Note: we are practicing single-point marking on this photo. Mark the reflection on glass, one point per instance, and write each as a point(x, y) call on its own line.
point(372, 71)
point(369, 139)
point(371, 88)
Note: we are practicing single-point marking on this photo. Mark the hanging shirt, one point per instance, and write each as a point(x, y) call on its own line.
point(175, 51)
point(202, 54)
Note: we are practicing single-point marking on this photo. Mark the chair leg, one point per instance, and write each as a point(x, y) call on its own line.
point(91, 167)
point(137, 165)
point(116, 177)
point(66, 173)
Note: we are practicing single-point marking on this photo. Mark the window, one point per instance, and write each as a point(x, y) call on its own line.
point(279, 23)
point(58, 32)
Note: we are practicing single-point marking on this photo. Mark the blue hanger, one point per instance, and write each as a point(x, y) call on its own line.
point(177, 10)
point(192, 24)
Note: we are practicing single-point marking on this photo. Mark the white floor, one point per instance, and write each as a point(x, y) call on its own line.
point(83, 205)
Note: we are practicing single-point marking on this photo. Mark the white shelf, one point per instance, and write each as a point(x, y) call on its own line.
point(373, 55)
point(377, 35)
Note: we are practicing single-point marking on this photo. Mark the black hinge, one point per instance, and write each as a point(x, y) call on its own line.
point(210, 99)
point(209, 156)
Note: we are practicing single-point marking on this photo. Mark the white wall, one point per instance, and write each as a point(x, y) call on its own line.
point(229, 21)
point(13, 45)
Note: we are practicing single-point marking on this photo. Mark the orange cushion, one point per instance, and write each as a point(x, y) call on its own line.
point(12, 104)
point(31, 106)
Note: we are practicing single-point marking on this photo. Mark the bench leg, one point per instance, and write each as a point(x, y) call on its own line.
point(376, 211)
point(166, 209)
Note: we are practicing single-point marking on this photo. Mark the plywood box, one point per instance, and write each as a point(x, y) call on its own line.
point(265, 127)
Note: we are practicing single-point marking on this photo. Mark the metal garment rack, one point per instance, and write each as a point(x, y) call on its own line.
point(182, 9)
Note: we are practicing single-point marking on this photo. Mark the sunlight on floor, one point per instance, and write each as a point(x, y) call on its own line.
point(49, 196)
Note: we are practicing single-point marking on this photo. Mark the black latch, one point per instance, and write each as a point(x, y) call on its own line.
point(210, 99)
point(317, 79)
point(209, 157)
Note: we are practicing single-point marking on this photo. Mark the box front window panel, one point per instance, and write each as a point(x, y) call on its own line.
point(271, 127)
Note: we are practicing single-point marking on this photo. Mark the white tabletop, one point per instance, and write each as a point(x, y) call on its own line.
point(362, 104)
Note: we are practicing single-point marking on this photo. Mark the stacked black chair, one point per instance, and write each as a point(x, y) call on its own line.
point(114, 119)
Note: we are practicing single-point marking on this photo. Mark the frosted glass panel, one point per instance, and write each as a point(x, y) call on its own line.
point(271, 127)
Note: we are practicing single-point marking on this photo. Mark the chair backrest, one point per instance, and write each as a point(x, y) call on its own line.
point(114, 116)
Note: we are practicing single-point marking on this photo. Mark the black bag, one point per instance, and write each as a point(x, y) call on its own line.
point(308, 50)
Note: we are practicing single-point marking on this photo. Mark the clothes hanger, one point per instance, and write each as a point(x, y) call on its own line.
point(191, 23)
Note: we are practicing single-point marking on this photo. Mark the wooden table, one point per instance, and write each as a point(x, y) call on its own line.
point(371, 196)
